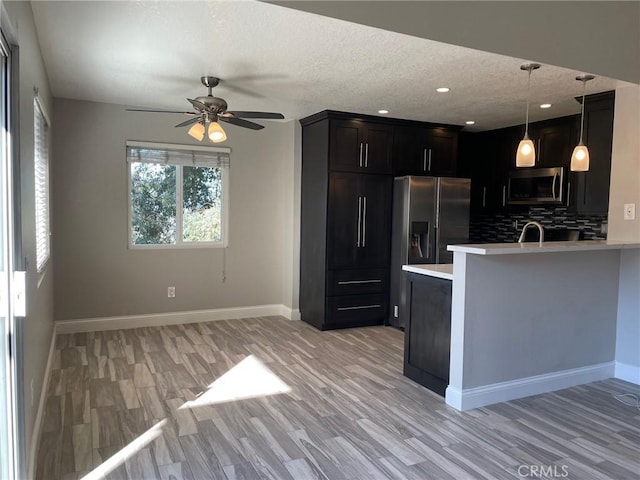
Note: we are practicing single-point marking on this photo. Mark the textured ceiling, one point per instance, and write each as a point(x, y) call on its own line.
point(270, 58)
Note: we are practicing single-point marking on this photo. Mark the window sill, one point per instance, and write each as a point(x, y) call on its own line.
point(179, 246)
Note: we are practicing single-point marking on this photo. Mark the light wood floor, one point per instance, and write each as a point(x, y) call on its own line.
point(114, 411)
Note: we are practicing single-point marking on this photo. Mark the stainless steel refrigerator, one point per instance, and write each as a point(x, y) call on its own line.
point(429, 213)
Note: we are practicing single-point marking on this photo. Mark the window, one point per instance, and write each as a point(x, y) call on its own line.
point(177, 195)
point(41, 167)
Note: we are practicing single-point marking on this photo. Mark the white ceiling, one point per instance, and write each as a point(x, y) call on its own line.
point(270, 58)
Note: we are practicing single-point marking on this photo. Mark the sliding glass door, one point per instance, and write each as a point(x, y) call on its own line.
point(8, 443)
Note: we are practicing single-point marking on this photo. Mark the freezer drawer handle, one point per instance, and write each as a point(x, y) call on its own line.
point(353, 282)
point(359, 307)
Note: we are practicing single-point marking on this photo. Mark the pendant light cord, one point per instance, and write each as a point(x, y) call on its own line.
point(584, 86)
point(526, 126)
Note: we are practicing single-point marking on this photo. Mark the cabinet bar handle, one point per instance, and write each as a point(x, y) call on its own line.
point(360, 160)
point(553, 186)
point(538, 160)
point(366, 155)
point(424, 160)
point(568, 193)
point(504, 195)
point(354, 282)
point(359, 307)
point(429, 160)
point(359, 220)
point(484, 197)
point(364, 220)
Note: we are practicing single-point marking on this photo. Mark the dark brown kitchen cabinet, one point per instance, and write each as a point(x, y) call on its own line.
point(425, 151)
point(555, 143)
point(589, 191)
point(345, 221)
point(428, 332)
point(358, 220)
point(362, 147)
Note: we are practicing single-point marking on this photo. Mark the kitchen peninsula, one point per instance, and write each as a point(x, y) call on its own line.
point(529, 318)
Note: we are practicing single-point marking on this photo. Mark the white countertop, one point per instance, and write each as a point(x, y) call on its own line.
point(545, 247)
point(440, 270)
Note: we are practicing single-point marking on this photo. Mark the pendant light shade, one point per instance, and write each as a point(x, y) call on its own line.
point(216, 133)
point(526, 153)
point(580, 156)
point(197, 131)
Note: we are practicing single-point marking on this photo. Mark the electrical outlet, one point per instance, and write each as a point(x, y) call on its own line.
point(171, 292)
point(395, 311)
point(629, 211)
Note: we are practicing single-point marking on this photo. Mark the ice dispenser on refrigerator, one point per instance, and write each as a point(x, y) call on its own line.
point(429, 213)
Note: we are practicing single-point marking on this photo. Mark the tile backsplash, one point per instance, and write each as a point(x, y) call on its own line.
point(499, 228)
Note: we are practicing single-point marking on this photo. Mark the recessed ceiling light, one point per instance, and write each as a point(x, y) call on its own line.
point(442, 89)
point(545, 105)
point(470, 122)
point(383, 111)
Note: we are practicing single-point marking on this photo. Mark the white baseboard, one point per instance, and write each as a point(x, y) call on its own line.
point(37, 426)
point(467, 399)
point(174, 318)
point(628, 373)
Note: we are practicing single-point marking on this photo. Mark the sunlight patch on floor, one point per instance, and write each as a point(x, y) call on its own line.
point(127, 452)
point(248, 379)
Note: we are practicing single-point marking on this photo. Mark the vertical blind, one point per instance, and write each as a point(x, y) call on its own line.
point(41, 152)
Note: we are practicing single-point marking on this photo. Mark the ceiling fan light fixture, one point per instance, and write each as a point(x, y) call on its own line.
point(526, 153)
point(197, 131)
point(216, 133)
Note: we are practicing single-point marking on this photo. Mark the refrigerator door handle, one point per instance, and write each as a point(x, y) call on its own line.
point(364, 220)
point(359, 221)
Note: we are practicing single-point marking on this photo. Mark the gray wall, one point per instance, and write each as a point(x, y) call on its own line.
point(38, 325)
point(97, 275)
point(628, 331)
point(560, 315)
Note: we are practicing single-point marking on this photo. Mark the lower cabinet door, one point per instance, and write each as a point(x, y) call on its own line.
point(356, 310)
point(428, 332)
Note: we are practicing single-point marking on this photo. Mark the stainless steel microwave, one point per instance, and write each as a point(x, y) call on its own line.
point(532, 186)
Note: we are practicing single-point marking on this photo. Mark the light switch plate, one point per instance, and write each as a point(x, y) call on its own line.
point(629, 211)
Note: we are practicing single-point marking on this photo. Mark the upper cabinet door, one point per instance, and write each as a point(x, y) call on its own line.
point(362, 147)
point(442, 152)
point(425, 151)
point(555, 144)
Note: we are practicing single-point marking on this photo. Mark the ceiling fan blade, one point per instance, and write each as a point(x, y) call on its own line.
point(198, 105)
point(241, 123)
point(159, 111)
point(265, 115)
point(188, 122)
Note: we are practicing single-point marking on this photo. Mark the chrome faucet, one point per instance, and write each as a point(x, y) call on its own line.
point(532, 224)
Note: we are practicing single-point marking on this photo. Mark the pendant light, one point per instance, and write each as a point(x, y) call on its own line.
point(526, 154)
point(580, 156)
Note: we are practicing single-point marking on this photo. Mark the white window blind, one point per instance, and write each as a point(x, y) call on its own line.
point(178, 155)
point(41, 161)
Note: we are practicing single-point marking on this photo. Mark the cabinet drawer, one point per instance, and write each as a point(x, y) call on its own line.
point(354, 282)
point(351, 310)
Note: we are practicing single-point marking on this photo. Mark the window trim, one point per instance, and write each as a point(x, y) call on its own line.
point(37, 103)
point(180, 245)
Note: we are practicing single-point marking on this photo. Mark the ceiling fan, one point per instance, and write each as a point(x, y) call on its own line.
point(210, 110)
